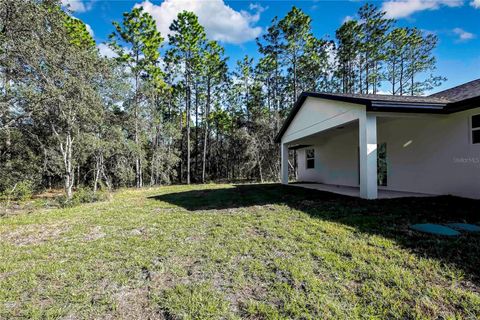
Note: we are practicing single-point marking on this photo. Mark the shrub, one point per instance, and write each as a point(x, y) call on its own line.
point(81, 195)
point(22, 191)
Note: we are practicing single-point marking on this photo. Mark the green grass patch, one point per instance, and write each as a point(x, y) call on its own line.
point(231, 252)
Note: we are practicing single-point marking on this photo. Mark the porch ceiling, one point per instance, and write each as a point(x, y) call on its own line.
point(350, 127)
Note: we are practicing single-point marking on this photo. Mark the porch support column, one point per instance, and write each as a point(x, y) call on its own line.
point(368, 156)
point(284, 163)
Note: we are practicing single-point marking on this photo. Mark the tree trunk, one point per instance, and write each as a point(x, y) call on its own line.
point(152, 170)
point(8, 154)
point(367, 75)
point(67, 162)
point(393, 76)
point(96, 174)
point(104, 175)
point(412, 85)
point(187, 97)
point(401, 77)
point(360, 75)
point(153, 181)
point(180, 164)
point(66, 150)
point(259, 161)
point(195, 173)
point(205, 134)
point(217, 144)
point(138, 165)
point(294, 78)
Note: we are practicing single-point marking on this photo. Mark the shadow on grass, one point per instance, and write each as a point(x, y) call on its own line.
point(388, 217)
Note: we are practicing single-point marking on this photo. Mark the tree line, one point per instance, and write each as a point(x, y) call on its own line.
point(169, 109)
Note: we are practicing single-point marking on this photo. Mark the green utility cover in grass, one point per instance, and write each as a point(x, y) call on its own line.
point(435, 229)
point(464, 227)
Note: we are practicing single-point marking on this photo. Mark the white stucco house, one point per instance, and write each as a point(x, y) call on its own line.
point(379, 143)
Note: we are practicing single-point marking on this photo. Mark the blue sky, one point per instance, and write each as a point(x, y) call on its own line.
point(236, 24)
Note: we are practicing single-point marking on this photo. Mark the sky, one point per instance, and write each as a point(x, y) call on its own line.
point(236, 24)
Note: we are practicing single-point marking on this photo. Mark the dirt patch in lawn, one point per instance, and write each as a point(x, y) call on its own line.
point(95, 234)
point(35, 234)
point(134, 303)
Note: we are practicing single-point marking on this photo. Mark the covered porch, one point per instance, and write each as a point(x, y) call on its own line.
point(342, 147)
point(378, 146)
point(318, 117)
point(343, 159)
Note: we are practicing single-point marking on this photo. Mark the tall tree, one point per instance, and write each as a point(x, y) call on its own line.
point(215, 72)
point(347, 55)
point(186, 42)
point(296, 30)
point(136, 41)
point(374, 30)
point(314, 65)
point(244, 77)
point(60, 93)
point(396, 60)
point(269, 69)
point(421, 60)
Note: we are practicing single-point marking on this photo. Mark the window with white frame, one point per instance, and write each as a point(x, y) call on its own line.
point(310, 155)
point(476, 129)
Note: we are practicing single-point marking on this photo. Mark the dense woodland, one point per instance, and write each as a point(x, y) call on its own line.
point(169, 109)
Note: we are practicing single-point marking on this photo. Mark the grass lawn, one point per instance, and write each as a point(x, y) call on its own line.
point(230, 252)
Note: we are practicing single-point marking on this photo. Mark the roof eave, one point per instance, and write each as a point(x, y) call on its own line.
point(410, 107)
point(379, 106)
point(301, 99)
point(463, 105)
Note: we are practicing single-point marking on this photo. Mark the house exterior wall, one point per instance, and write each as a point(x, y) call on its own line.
point(430, 154)
point(336, 159)
point(433, 154)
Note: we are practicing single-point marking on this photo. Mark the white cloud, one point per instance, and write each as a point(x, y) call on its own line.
point(77, 5)
point(347, 18)
point(475, 4)
point(404, 8)
point(463, 35)
point(90, 30)
point(384, 92)
point(257, 7)
point(105, 51)
point(221, 22)
point(87, 26)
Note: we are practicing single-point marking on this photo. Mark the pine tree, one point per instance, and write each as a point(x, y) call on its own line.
point(186, 43)
point(137, 41)
point(295, 30)
point(215, 73)
point(396, 50)
point(269, 69)
point(374, 30)
point(347, 55)
point(421, 60)
point(314, 65)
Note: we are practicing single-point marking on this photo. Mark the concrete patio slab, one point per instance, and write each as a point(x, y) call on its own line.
point(355, 191)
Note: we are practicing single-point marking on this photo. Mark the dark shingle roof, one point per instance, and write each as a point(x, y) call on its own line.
point(392, 98)
point(463, 97)
point(459, 93)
